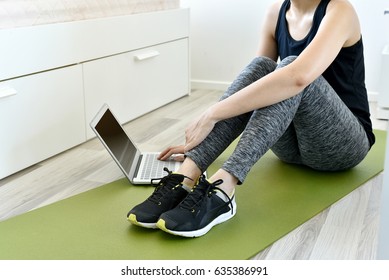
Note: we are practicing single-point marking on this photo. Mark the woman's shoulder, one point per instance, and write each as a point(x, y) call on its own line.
point(274, 8)
point(273, 11)
point(345, 10)
point(340, 5)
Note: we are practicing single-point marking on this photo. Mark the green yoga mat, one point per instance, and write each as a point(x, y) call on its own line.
point(275, 199)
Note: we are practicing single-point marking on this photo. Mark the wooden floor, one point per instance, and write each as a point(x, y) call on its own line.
point(346, 230)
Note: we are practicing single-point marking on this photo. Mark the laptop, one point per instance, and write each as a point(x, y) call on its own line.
point(138, 167)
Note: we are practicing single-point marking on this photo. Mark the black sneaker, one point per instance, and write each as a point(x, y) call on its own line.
point(167, 195)
point(199, 211)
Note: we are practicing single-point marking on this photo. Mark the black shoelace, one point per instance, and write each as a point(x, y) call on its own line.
point(192, 201)
point(160, 191)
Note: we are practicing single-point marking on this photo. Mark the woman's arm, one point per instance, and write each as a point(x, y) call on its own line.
point(339, 28)
point(267, 46)
point(334, 33)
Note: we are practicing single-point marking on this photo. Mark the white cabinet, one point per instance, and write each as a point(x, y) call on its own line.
point(136, 82)
point(45, 116)
point(55, 77)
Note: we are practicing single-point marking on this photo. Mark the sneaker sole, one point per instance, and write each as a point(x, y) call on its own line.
point(132, 219)
point(200, 232)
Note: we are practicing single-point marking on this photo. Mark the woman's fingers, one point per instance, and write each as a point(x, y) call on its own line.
point(174, 151)
point(178, 157)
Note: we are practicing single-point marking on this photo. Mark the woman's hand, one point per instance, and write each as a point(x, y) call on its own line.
point(173, 152)
point(195, 134)
point(199, 129)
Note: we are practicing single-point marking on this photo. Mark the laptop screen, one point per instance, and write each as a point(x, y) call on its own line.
point(116, 140)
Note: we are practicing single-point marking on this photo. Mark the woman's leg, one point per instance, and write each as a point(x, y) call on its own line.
point(225, 132)
point(314, 128)
point(323, 131)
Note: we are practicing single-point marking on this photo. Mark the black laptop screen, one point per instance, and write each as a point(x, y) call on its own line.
point(116, 140)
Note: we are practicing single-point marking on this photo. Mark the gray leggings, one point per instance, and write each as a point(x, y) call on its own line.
point(314, 128)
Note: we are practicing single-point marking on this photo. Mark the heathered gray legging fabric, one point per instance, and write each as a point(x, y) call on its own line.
point(313, 128)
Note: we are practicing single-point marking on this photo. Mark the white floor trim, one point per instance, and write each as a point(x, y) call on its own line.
point(372, 96)
point(206, 84)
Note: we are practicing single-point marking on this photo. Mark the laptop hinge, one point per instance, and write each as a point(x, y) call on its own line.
point(138, 166)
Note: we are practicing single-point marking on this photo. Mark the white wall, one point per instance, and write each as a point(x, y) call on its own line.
point(375, 36)
point(383, 241)
point(224, 37)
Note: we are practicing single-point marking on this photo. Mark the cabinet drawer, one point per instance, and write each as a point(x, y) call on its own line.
point(137, 82)
point(42, 116)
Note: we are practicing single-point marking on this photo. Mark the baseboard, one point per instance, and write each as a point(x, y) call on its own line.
point(382, 113)
point(372, 96)
point(206, 84)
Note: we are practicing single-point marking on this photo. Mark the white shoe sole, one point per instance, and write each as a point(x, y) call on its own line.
point(200, 232)
point(132, 219)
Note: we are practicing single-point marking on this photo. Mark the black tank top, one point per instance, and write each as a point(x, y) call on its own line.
point(346, 74)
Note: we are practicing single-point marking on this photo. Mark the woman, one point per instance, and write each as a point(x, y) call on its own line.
point(310, 109)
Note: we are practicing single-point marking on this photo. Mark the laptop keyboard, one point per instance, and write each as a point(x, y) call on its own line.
point(154, 168)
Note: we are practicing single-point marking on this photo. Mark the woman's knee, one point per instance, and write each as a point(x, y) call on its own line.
point(286, 61)
point(255, 70)
point(260, 66)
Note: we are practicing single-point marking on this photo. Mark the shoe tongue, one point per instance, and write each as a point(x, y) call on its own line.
point(205, 184)
point(175, 179)
point(176, 176)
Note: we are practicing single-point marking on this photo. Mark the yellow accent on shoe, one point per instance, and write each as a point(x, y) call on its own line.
point(161, 225)
point(132, 219)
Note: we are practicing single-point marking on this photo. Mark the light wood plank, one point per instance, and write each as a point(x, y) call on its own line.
point(368, 242)
point(298, 244)
point(340, 234)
